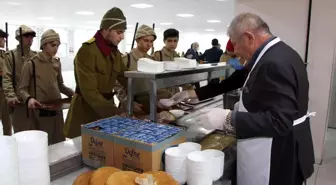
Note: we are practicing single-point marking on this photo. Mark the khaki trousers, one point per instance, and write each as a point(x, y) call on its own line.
point(20, 119)
point(53, 125)
point(4, 115)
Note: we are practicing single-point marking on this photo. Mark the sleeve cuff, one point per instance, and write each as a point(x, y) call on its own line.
point(27, 100)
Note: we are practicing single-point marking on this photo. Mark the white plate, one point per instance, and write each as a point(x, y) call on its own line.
point(177, 113)
point(166, 102)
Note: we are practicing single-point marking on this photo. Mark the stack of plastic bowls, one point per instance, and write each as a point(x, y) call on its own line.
point(217, 162)
point(9, 164)
point(190, 147)
point(175, 164)
point(198, 169)
point(33, 157)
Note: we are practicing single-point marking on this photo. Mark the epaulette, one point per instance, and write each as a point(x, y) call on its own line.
point(92, 40)
point(123, 55)
point(56, 58)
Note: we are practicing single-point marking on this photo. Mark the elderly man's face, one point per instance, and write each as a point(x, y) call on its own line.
point(244, 45)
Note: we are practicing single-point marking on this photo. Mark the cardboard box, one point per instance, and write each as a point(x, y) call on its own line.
point(141, 157)
point(101, 149)
point(97, 148)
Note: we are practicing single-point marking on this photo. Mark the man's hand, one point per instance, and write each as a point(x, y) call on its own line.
point(12, 102)
point(215, 119)
point(137, 107)
point(184, 95)
point(32, 103)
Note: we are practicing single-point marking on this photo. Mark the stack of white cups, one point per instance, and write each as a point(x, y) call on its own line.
point(199, 169)
point(176, 160)
point(9, 164)
point(176, 164)
point(33, 157)
point(217, 162)
point(1, 128)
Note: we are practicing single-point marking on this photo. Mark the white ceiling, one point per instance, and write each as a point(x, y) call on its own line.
point(63, 13)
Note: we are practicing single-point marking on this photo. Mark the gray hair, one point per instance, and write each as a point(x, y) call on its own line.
point(247, 22)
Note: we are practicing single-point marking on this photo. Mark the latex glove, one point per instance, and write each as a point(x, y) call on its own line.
point(184, 95)
point(180, 97)
point(214, 119)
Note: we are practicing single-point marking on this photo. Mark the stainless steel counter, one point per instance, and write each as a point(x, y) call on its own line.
point(150, 82)
point(66, 161)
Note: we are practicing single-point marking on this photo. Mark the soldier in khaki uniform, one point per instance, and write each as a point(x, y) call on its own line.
point(4, 113)
point(98, 65)
point(144, 37)
point(42, 81)
point(168, 53)
point(11, 77)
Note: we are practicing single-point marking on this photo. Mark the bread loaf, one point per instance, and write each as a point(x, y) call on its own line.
point(122, 178)
point(83, 179)
point(155, 178)
point(100, 176)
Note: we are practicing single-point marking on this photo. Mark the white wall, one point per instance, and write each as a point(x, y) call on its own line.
point(320, 68)
point(288, 20)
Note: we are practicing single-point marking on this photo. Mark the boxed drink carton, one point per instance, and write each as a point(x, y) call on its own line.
point(128, 144)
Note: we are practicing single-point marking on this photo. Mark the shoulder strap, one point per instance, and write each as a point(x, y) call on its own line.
point(128, 60)
point(34, 77)
point(161, 59)
point(13, 71)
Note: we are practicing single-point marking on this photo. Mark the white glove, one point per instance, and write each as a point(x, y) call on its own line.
point(180, 97)
point(214, 118)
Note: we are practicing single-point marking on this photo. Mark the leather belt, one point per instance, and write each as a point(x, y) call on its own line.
point(107, 96)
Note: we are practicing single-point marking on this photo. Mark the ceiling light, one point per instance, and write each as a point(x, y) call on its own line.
point(57, 25)
point(209, 30)
point(85, 13)
point(45, 18)
point(93, 22)
point(185, 15)
point(141, 6)
point(213, 21)
point(166, 23)
point(14, 3)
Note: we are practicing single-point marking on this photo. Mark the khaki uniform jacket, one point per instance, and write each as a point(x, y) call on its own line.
point(130, 60)
point(48, 76)
point(2, 60)
point(14, 63)
point(96, 76)
point(166, 55)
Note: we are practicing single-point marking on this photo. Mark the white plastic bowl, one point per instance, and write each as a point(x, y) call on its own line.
point(166, 102)
point(177, 113)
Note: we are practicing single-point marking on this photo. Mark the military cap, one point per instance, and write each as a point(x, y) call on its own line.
point(113, 19)
point(26, 31)
point(145, 30)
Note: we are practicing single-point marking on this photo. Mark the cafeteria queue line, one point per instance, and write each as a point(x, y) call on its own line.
point(272, 109)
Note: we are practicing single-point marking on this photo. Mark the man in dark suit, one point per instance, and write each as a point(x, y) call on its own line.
point(272, 123)
point(212, 55)
point(192, 52)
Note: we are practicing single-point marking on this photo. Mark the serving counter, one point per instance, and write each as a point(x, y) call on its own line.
point(66, 161)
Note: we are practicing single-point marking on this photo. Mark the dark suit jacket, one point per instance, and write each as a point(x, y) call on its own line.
point(275, 95)
point(212, 55)
point(193, 53)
